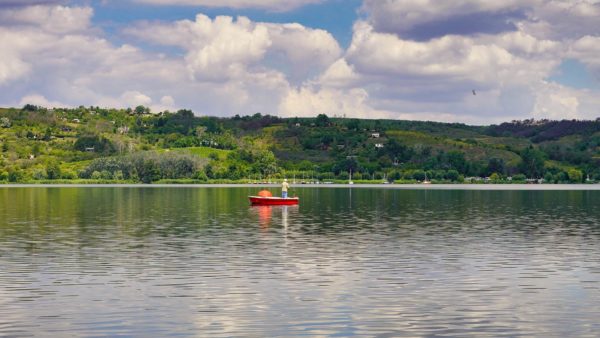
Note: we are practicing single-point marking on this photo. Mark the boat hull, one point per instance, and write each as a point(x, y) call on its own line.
point(257, 200)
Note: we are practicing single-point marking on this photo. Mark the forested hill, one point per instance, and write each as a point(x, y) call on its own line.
point(92, 144)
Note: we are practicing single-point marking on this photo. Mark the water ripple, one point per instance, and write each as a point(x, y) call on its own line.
point(368, 262)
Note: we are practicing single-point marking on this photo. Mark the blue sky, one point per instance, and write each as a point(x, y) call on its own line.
point(402, 59)
point(575, 74)
point(334, 16)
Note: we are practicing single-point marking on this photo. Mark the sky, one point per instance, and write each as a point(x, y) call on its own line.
point(468, 61)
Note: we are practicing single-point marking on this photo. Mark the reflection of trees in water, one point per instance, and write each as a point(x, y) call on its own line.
point(90, 216)
point(96, 217)
point(347, 210)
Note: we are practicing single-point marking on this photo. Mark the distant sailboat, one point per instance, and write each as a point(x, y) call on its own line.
point(350, 179)
point(426, 181)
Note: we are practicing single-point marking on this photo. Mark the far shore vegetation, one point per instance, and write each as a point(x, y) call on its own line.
point(97, 145)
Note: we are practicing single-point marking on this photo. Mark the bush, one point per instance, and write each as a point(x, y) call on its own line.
point(562, 177)
point(200, 176)
point(118, 175)
point(3, 176)
point(106, 175)
point(495, 177)
point(53, 170)
point(68, 175)
point(5, 122)
point(39, 174)
point(575, 176)
point(519, 178)
point(419, 175)
point(15, 175)
point(452, 175)
point(394, 175)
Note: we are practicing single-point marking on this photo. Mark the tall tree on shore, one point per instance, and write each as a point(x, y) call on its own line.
point(532, 164)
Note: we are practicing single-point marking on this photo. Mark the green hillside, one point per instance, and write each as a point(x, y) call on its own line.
point(92, 144)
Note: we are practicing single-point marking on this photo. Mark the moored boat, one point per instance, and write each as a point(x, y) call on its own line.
point(261, 200)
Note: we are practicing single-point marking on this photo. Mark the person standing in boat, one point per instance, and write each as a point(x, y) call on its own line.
point(284, 188)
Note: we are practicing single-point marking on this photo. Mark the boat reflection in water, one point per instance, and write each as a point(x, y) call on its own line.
point(265, 214)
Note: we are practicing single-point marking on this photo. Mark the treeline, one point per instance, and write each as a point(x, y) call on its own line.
point(136, 145)
point(146, 167)
point(544, 130)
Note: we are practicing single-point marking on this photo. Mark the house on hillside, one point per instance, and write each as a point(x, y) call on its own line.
point(375, 135)
point(378, 145)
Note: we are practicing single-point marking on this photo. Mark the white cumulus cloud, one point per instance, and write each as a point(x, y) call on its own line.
point(225, 48)
point(54, 54)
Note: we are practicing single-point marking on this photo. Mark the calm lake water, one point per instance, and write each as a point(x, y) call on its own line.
point(373, 262)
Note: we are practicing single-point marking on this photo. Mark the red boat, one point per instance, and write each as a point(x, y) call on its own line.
point(260, 200)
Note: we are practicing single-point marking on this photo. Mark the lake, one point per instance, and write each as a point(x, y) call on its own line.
point(199, 261)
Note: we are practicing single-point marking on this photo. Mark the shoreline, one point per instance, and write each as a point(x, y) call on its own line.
point(494, 187)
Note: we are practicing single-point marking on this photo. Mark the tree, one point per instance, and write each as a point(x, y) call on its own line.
point(575, 176)
point(5, 146)
point(140, 110)
point(457, 161)
point(200, 131)
point(53, 170)
point(30, 107)
point(419, 175)
point(322, 120)
point(266, 163)
point(353, 124)
point(98, 143)
point(532, 164)
point(36, 149)
point(48, 134)
point(15, 175)
point(495, 177)
point(346, 165)
point(495, 165)
point(452, 175)
point(5, 122)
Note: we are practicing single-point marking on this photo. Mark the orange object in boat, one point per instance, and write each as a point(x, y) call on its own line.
point(265, 193)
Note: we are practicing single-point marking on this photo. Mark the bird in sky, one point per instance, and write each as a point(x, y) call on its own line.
point(474, 93)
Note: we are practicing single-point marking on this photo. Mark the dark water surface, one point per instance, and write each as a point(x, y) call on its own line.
point(372, 262)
